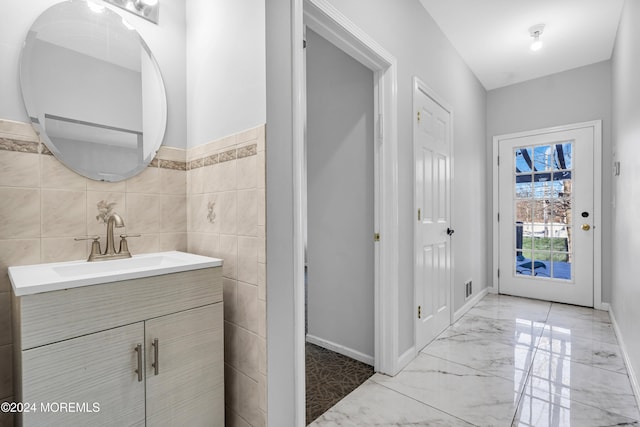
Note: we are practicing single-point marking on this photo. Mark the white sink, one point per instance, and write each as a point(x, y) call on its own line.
point(33, 279)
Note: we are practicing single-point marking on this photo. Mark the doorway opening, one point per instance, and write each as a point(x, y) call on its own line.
point(323, 19)
point(340, 224)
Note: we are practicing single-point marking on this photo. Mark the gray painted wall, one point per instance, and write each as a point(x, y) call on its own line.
point(340, 191)
point(225, 71)
point(626, 130)
point(281, 398)
point(166, 41)
point(410, 34)
point(573, 96)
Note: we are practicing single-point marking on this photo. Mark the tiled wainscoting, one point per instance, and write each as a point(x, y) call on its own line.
point(226, 219)
point(44, 205)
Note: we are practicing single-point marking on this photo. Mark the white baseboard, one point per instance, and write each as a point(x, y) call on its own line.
point(345, 351)
point(406, 358)
point(635, 385)
point(492, 290)
point(469, 304)
point(604, 306)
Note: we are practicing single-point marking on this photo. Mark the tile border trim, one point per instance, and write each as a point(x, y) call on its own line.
point(32, 147)
point(171, 164)
point(224, 156)
point(9, 143)
point(20, 146)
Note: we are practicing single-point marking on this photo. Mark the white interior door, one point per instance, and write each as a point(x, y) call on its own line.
point(432, 198)
point(546, 216)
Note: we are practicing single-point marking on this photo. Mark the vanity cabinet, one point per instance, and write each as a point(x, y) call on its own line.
point(93, 368)
point(145, 351)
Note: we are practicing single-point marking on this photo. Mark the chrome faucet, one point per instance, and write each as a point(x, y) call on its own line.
point(117, 221)
point(110, 252)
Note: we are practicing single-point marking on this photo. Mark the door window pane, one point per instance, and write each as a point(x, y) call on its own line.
point(524, 189)
point(542, 185)
point(543, 157)
point(523, 160)
point(527, 245)
point(541, 243)
point(524, 211)
point(522, 268)
point(563, 154)
point(541, 214)
point(561, 211)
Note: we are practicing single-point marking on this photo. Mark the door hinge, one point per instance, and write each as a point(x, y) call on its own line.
point(376, 237)
point(304, 44)
point(380, 126)
point(498, 273)
point(419, 312)
point(419, 214)
point(418, 116)
point(498, 216)
point(498, 160)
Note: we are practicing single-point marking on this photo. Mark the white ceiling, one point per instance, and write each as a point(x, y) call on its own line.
point(492, 35)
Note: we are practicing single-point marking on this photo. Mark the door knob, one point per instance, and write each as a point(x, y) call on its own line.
point(450, 231)
point(586, 227)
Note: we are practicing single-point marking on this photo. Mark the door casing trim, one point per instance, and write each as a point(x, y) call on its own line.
point(596, 125)
point(323, 18)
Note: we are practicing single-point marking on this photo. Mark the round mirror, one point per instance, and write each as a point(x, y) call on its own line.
point(93, 90)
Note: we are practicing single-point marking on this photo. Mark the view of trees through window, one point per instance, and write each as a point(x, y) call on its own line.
point(543, 208)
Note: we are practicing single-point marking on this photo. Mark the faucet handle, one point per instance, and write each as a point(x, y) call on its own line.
point(124, 245)
point(95, 238)
point(95, 246)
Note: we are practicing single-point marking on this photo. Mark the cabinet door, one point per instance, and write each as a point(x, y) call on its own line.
point(188, 388)
point(65, 379)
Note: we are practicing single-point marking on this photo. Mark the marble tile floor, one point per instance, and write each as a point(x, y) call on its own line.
point(507, 362)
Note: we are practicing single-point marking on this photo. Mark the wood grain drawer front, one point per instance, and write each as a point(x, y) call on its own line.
point(188, 389)
point(55, 316)
point(94, 368)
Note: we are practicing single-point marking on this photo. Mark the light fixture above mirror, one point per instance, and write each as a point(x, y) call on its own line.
point(147, 9)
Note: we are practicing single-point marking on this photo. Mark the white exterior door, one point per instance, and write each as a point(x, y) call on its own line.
point(546, 216)
point(431, 133)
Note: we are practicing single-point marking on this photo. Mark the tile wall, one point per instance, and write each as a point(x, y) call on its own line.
point(209, 200)
point(226, 219)
point(44, 205)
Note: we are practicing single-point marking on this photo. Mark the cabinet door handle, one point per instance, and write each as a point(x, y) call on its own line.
point(156, 360)
point(139, 370)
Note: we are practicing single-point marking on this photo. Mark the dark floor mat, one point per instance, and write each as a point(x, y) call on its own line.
point(330, 377)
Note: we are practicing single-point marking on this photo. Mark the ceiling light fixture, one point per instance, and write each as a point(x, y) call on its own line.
point(536, 32)
point(147, 9)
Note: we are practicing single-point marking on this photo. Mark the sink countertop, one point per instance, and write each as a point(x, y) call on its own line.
point(38, 278)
